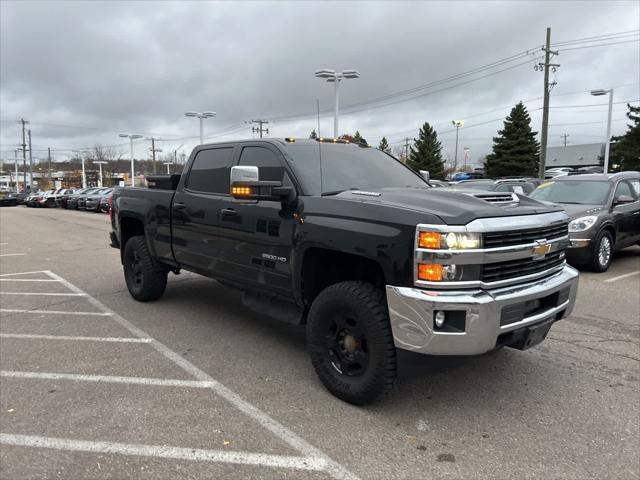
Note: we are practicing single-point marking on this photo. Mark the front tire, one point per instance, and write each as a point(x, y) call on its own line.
point(145, 278)
point(350, 342)
point(602, 252)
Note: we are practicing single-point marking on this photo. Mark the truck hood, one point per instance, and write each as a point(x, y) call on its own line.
point(454, 208)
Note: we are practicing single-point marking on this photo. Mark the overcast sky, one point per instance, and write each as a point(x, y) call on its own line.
point(82, 72)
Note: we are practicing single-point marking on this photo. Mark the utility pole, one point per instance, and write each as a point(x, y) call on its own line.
point(259, 128)
point(545, 108)
point(406, 149)
point(153, 151)
point(564, 136)
point(30, 163)
point(24, 155)
point(49, 160)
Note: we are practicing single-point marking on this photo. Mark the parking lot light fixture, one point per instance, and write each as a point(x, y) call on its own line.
point(201, 116)
point(131, 137)
point(457, 124)
point(336, 77)
point(168, 164)
point(607, 145)
point(100, 163)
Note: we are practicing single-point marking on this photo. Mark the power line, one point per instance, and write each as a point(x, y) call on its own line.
point(600, 45)
point(596, 37)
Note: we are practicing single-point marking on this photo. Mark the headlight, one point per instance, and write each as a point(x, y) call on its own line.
point(451, 240)
point(583, 223)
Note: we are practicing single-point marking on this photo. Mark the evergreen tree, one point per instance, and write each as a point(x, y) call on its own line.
point(384, 145)
point(626, 149)
point(515, 150)
point(313, 135)
point(426, 153)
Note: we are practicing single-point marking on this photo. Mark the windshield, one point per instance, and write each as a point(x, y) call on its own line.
point(347, 167)
point(573, 191)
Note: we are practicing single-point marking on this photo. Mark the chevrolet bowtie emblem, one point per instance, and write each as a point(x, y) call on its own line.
point(541, 248)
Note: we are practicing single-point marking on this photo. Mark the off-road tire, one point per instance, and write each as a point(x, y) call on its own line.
point(146, 279)
point(365, 305)
point(596, 264)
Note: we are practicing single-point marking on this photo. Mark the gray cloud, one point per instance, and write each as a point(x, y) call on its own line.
point(111, 67)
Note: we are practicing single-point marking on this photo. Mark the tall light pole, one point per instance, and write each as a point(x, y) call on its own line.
point(336, 78)
point(15, 157)
point(84, 175)
point(457, 124)
point(597, 93)
point(100, 163)
point(201, 116)
point(131, 137)
point(168, 164)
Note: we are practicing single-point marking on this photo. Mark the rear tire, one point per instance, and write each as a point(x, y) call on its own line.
point(146, 279)
point(350, 342)
point(602, 252)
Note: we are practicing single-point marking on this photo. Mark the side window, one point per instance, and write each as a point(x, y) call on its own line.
point(210, 171)
point(635, 186)
point(269, 165)
point(624, 188)
point(503, 188)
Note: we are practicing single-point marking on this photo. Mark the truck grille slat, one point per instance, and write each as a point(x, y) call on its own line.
point(495, 272)
point(529, 235)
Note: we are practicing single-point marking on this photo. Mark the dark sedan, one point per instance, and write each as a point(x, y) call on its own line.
point(93, 200)
point(604, 211)
point(74, 199)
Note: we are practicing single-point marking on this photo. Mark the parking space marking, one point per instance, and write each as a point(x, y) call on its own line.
point(46, 294)
point(71, 338)
point(12, 254)
point(311, 457)
point(75, 377)
point(21, 273)
point(620, 277)
point(161, 451)
point(54, 312)
point(27, 280)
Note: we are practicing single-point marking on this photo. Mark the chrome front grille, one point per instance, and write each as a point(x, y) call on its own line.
point(528, 235)
point(497, 272)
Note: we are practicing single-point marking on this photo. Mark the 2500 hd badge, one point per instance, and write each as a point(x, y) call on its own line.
point(410, 267)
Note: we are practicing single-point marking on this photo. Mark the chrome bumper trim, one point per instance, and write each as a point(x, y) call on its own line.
point(411, 313)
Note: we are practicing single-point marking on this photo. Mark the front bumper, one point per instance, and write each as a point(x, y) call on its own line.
point(486, 315)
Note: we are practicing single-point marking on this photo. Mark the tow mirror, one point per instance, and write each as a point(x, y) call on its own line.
point(425, 175)
point(247, 186)
point(623, 199)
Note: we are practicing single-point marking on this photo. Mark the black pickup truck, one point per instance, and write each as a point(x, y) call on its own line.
point(349, 241)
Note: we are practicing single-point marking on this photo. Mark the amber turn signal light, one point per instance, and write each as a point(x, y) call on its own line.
point(431, 272)
point(238, 191)
point(429, 240)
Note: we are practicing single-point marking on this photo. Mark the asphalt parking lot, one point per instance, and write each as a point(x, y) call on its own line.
point(96, 385)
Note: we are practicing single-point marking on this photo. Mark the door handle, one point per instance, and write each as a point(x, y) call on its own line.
point(228, 213)
point(179, 206)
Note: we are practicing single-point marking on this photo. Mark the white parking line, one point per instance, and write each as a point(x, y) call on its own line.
point(159, 382)
point(331, 467)
point(26, 280)
point(12, 254)
point(620, 277)
point(46, 294)
point(21, 273)
point(54, 312)
point(67, 337)
point(161, 451)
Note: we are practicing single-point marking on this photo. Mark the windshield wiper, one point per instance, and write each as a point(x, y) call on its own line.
point(336, 192)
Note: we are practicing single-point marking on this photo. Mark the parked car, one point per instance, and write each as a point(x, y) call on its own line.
point(92, 202)
point(7, 199)
point(31, 199)
point(364, 253)
point(604, 211)
point(72, 201)
point(48, 199)
point(558, 172)
point(61, 199)
point(105, 201)
point(522, 187)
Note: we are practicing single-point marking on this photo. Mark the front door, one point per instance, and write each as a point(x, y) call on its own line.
point(626, 214)
point(258, 237)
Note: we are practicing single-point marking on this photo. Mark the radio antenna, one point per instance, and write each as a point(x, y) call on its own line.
point(319, 144)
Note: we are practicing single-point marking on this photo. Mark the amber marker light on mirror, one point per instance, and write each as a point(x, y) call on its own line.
point(240, 191)
point(429, 239)
point(431, 272)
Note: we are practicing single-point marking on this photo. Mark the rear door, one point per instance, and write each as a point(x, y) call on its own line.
point(196, 206)
point(257, 238)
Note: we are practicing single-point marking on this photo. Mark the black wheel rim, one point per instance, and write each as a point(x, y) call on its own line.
point(347, 346)
point(136, 269)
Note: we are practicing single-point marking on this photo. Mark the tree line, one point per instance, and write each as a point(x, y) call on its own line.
point(515, 151)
